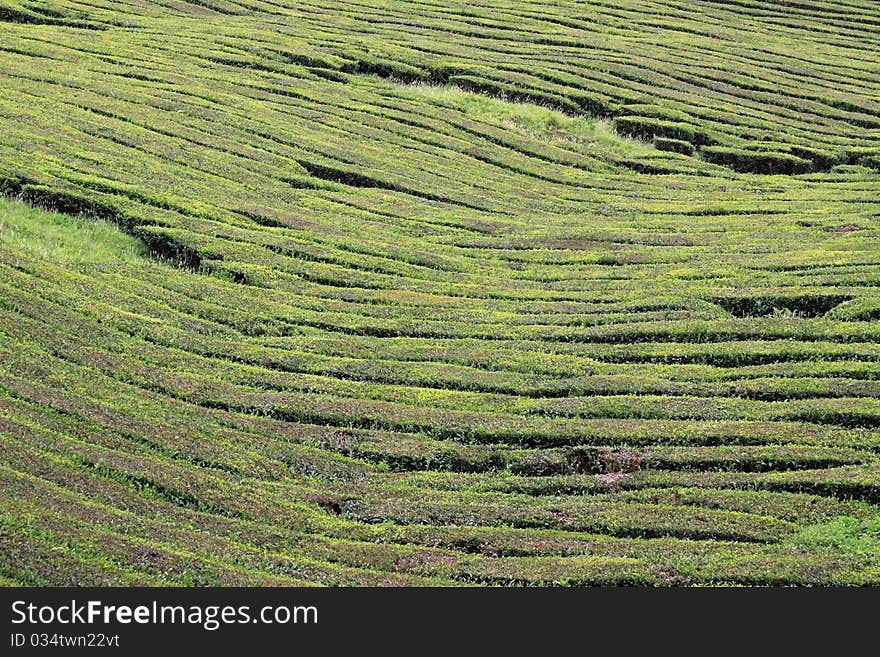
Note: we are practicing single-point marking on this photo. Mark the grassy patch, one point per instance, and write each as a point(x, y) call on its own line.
point(590, 135)
point(64, 239)
point(854, 538)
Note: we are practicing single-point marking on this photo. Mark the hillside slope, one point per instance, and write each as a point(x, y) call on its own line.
point(408, 293)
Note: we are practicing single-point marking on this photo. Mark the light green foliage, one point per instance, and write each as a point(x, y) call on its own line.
point(59, 238)
point(419, 293)
point(858, 538)
point(588, 134)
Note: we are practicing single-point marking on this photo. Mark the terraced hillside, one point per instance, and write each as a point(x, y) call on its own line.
point(409, 293)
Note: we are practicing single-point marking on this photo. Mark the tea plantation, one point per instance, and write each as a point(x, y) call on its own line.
point(434, 292)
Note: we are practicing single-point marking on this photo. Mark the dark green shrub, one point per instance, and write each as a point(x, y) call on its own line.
point(673, 145)
point(641, 127)
point(756, 161)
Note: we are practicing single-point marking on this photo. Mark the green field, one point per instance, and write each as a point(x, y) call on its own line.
point(440, 293)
